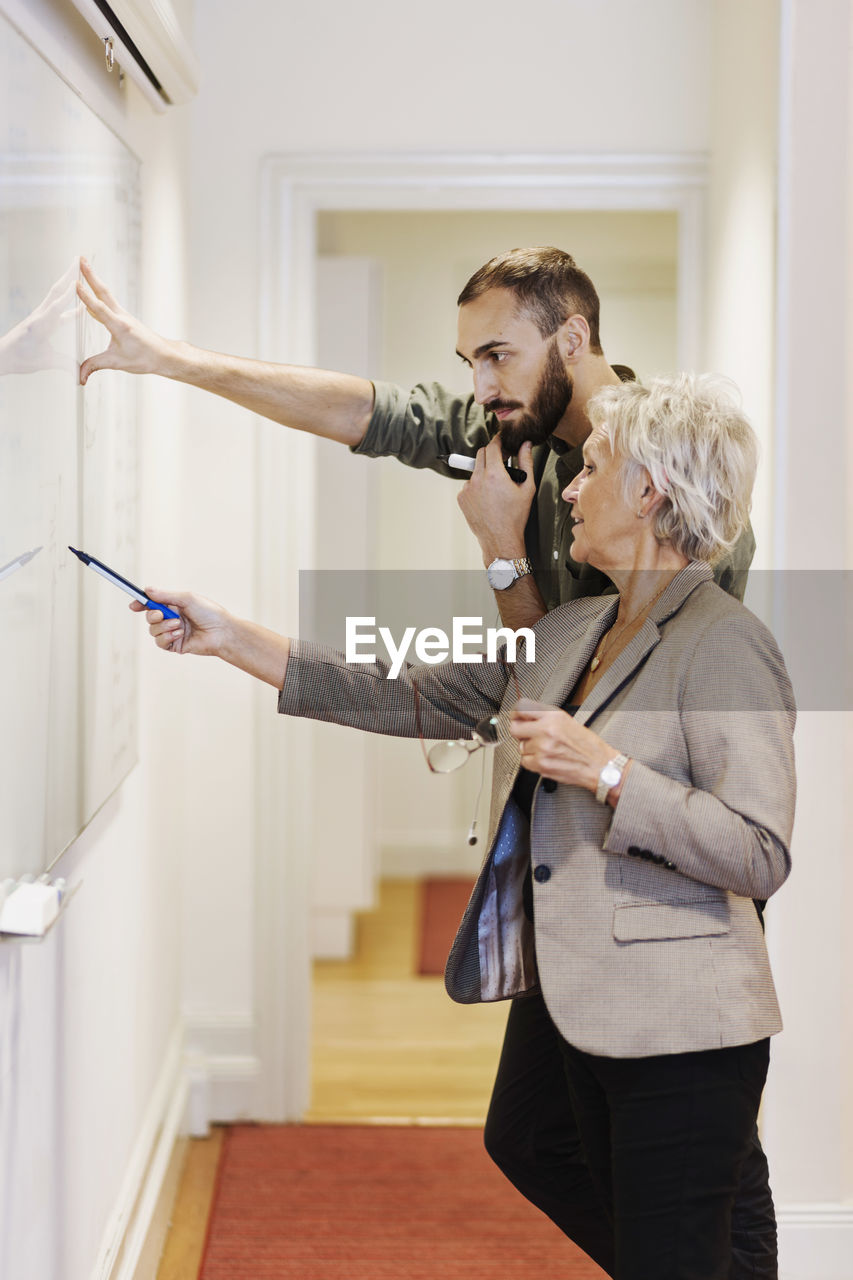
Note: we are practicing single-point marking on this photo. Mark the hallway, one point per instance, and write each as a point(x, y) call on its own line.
point(390, 1046)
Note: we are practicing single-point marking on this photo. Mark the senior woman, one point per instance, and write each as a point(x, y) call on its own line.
point(643, 798)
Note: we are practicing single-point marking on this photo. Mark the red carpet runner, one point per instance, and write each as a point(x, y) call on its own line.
point(443, 902)
point(375, 1203)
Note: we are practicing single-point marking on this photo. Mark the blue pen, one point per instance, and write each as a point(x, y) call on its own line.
point(118, 581)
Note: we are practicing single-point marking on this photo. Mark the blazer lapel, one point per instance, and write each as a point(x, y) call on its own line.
point(634, 653)
point(570, 664)
point(572, 661)
point(623, 667)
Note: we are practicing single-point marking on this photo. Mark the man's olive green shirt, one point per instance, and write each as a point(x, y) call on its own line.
point(418, 426)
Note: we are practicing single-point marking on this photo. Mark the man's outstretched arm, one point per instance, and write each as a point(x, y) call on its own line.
point(337, 406)
point(419, 428)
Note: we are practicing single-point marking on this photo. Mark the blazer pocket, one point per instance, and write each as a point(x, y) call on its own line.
point(701, 918)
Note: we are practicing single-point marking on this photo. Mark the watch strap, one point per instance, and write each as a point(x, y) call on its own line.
point(503, 572)
point(523, 565)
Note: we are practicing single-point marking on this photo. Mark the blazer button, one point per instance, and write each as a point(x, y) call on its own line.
point(549, 784)
point(541, 873)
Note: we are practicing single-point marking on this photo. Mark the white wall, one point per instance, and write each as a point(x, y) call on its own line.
point(809, 1108)
point(741, 262)
point(780, 293)
point(391, 77)
point(89, 1018)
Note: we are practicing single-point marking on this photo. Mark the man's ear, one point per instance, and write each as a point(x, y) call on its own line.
point(573, 339)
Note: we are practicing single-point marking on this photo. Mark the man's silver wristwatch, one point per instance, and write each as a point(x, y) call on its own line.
point(610, 777)
point(503, 573)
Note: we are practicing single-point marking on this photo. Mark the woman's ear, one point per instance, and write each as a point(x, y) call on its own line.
point(649, 499)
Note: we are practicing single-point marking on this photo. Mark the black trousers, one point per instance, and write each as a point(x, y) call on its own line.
point(651, 1165)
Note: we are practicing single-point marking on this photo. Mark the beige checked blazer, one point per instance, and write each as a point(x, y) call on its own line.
point(646, 940)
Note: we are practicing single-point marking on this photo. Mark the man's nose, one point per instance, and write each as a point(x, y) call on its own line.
point(485, 385)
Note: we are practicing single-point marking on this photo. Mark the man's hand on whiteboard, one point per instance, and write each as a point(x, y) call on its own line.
point(209, 630)
point(337, 406)
point(133, 347)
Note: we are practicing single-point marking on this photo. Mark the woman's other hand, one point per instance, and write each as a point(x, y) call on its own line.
point(556, 746)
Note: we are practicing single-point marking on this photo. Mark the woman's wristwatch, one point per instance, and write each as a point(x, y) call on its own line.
point(503, 573)
point(610, 777)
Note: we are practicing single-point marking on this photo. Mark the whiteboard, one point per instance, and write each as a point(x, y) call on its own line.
point(68, 465)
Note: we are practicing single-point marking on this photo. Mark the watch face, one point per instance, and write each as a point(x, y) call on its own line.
point(610, 774)
point(501, 574)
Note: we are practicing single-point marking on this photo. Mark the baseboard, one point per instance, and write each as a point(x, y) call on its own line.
point(148, 1263)
point(209, 1074)
point(222, 1071)
point(130, 1223)
point(815, 1241)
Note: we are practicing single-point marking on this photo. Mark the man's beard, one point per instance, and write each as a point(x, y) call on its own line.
point(550, 401)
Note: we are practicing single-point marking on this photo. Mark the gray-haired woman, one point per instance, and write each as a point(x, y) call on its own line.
point(643, 799)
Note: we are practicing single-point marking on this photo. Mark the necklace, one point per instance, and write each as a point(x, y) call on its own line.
point(605, 642)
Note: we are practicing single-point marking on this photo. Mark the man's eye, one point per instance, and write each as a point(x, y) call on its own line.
point(499, 356)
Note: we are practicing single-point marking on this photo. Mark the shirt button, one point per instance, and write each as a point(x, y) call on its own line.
point(541, 873)
point(556, 554)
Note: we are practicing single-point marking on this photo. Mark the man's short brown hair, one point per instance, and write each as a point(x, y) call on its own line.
point(548, 285)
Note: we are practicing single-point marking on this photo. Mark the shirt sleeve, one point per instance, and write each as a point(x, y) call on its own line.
point(418, 426)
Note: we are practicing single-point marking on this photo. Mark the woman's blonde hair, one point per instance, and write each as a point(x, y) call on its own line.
point(691, 436)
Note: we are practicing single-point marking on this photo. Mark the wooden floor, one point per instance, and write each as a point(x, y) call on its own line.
point(388, 1047)
point(184, 1244)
